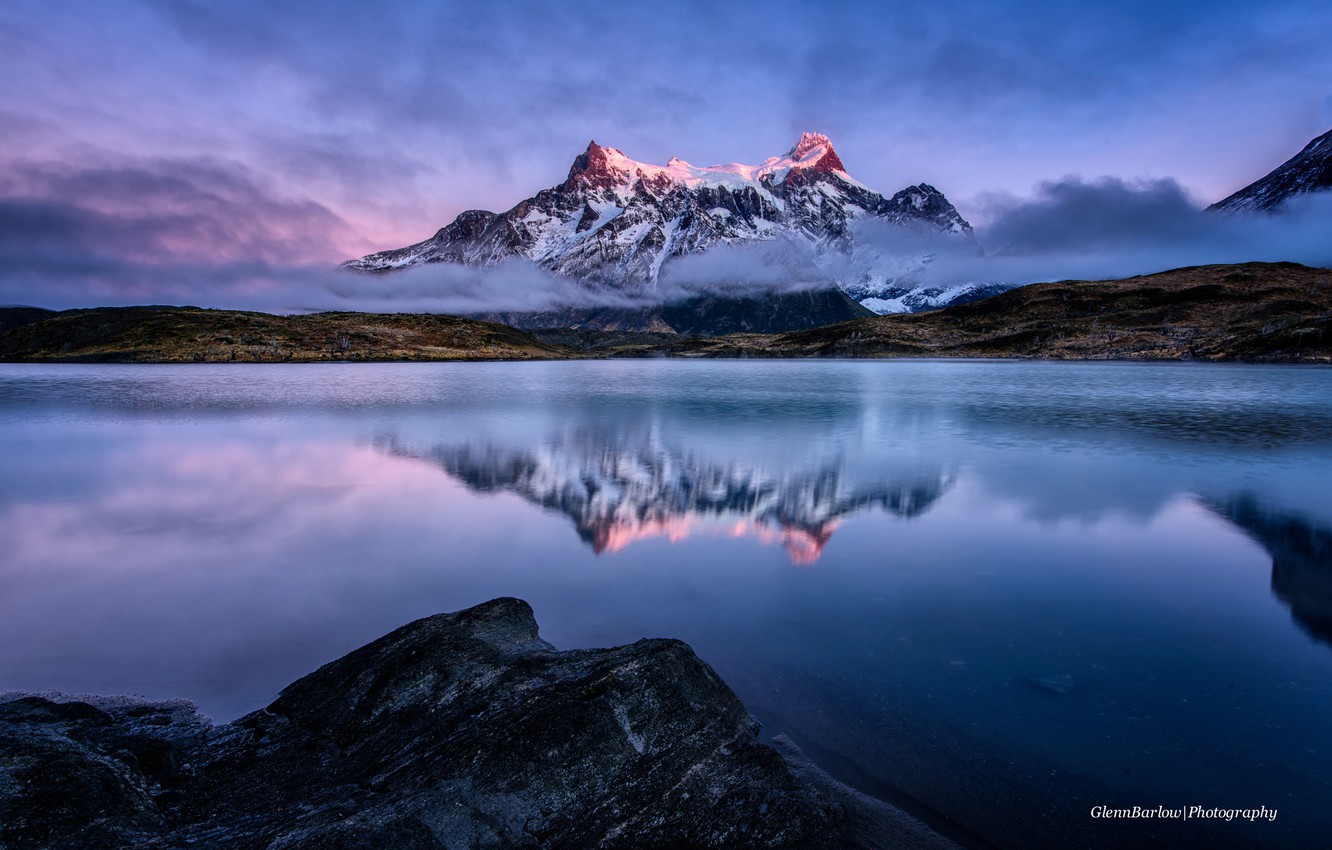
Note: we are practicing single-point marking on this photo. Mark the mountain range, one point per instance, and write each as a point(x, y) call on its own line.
point(618, 224)
point(631, 230)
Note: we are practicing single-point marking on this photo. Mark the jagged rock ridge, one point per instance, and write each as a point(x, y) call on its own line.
point(615, 222)
point(1310, 170)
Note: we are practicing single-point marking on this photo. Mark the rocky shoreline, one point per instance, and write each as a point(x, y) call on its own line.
point(461, 730)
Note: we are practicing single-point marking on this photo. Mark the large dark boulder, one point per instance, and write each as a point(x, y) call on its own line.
point(460, 730)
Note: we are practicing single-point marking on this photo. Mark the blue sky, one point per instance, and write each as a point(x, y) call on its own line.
point(322, 130)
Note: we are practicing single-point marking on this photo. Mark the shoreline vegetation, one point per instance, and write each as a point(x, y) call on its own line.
point(1249, 312)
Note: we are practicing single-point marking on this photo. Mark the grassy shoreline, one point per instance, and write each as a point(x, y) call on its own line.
point(1250, 312)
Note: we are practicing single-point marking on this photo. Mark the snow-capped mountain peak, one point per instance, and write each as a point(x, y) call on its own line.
point(616, 222)
point(815, 150)
point(607, 167)
point(602, 166)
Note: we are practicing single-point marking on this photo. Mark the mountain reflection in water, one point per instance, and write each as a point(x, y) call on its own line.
point(1301, 560)
point(619, 488)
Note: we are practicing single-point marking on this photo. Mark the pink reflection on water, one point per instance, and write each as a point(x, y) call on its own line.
point(803, 546)
point(168, 562)
point(231, 493)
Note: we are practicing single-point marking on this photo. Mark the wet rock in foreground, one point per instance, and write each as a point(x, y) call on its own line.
point(460, 730)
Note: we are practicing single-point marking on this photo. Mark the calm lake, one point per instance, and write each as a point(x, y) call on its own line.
point(997, 593)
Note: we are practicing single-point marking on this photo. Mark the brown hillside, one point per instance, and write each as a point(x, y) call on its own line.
point(1279, 312)
point(189, 334)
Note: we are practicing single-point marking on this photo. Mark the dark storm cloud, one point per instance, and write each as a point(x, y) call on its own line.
point(127, 231)
point(1106, 214)
point(158, 210)
point(1111, 228)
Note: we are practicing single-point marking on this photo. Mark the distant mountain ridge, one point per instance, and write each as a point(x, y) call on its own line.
point(1310, 170)
point(615, 223)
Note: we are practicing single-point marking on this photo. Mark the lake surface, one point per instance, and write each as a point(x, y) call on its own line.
point(1000, 593)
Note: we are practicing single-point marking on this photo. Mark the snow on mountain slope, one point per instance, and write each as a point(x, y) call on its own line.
point(616, 223)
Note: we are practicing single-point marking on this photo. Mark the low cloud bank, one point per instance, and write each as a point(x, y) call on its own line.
point(1111, 228)
point(745, 269)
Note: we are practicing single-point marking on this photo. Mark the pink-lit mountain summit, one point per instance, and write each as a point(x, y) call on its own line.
point(617, 222)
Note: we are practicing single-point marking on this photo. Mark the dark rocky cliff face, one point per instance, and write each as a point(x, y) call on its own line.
point(1310, 170)
point(460, 730)
point(702, 315)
